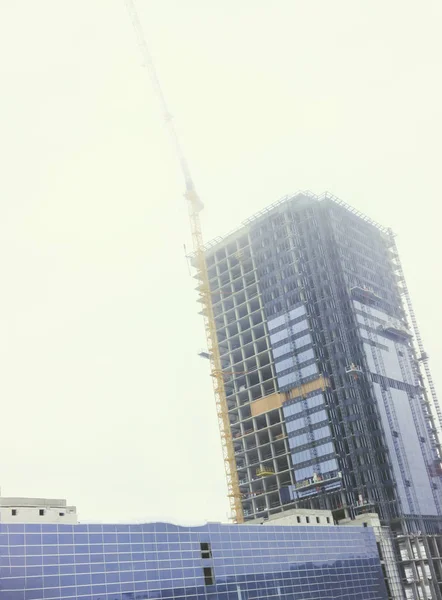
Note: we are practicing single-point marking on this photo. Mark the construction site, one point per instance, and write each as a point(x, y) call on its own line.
point(328, 393)
point(328, 419)
point(324, 394)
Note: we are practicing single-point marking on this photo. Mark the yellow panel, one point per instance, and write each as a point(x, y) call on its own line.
point(267, 403)
point(320, 383)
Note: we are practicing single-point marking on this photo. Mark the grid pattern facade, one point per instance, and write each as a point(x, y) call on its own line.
point(293, 313)
point(327, 403)
point(147, 561)
point(245, 348)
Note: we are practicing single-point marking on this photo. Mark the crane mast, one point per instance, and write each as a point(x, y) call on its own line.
point(195, 206)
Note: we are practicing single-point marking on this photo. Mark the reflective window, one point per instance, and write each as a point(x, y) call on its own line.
point(306, 355)
point(314, 401)
point(278, 336)
point(292, 409)
point(295, 424)
point(301, 326)
point(321, 468)
point(301, 405)
point(290, 378)
point(309, 370)
point(324, 449)
point(277, 322)
point(298, 440)
point(304, 455)
point(284, 349)
point(285, 364)
point(322, 432)
point(297, 312)
point(312, 453)
point(166, 562)
point(319, 416)
point(303, 341)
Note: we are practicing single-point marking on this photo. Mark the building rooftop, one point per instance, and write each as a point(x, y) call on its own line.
point(298, 194)
point(32, 502)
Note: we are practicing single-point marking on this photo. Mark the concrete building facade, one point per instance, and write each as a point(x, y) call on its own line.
point(326, 396)
point(36, 510)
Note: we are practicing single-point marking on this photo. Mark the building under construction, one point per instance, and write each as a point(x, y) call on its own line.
point(326, 383)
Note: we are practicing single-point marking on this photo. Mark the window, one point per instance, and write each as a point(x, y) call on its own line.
point(206, 551)
point(325, 449)
point(291, 378)
point(299, 440)
point(322, 432)
point(307, 519)
point(298, 519)
point(297, 312)
point(278, 336)
point(317, 520)
point(61, 514)
point(302, 456)
point(303, 341)
point(328, 519)
point(14, 512)
point(315, 401)
point(285, 364)
point(273, 323)
point(295, 424)
point(302, 326)
point(308, 371)
point(209, 579)
point(306, 355)
point(318, 417)
point(284, 349)
point(41, 512)
point(365, 524)
point(292, 409)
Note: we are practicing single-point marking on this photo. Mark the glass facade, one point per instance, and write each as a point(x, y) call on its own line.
point(158, 560)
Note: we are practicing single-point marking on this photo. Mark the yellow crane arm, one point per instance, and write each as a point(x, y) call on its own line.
point(195, 206)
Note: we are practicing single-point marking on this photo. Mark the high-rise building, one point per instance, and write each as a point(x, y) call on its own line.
point(329, 393)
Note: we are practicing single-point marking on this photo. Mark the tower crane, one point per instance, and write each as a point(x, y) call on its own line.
point(195, 206)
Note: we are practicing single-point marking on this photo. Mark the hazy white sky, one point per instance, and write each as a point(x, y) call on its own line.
point(103, 398)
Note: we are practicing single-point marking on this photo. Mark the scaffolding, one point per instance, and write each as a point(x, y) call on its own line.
point(419, 345)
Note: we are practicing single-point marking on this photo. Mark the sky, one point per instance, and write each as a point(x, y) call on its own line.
point(104, 400)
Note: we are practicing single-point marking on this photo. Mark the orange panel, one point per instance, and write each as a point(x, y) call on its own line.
point(266, 403)
point(320, 383)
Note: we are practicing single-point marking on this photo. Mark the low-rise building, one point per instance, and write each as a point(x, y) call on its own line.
point(78, 561)
point(36, 510)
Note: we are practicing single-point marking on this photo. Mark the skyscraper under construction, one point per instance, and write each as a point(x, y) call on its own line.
point(328, 390)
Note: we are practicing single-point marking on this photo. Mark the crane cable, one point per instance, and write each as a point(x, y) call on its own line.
point(195, 206)
point(168, 118)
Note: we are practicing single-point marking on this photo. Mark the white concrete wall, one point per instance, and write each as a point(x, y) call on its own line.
point(36, 510)
point(32, 515)
point(298, 516)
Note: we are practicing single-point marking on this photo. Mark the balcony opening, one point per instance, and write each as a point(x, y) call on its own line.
point(209, 578)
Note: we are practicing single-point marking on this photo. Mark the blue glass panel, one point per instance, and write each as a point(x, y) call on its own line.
point(259, 559)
